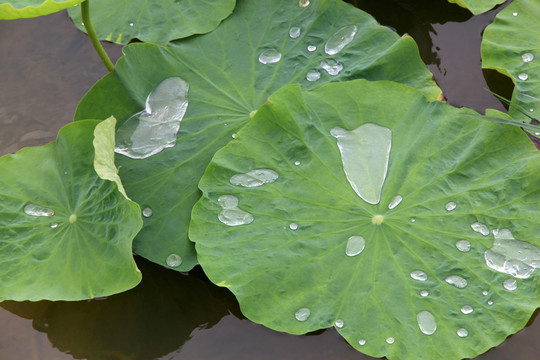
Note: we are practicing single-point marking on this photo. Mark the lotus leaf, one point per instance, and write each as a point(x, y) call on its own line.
point(431, 271)
point(16, 9)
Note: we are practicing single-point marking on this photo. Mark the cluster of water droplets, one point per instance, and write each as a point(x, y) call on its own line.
point(526, 58)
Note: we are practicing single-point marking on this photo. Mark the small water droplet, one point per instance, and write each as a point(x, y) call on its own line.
point(450, 206)
point(303, 3)
point(527, 57)
point(426, 322)
point(490, 302)
point(297, 163)
point(231, 214)
point(395, 201)
point(463, 245)
point(269, 56)
point(131, 24)
point(331, 66)
point(413, 220)
point(390, 340)
point(467, 309)
point(311, 48)
point(295, 32)
point(424, 293)
point(510, 284)
point(537, 133)
point(147, 212)
point(293, 226)
point(54, 225)
point(485, 292)
point(457, 281)
point(419, 275)
point(462, 332)
point(515, 14)
point(36, 210)
point(355, 245)
point(174, 260)
point(361, 342)
point(480, 228)
point(302, 314)
point(254, 178)
point(523, 76)
point(338, 323)
point(313, 75)
point(531, 110)
point(340, 39)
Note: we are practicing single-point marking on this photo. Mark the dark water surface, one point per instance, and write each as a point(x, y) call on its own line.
point(47, 65)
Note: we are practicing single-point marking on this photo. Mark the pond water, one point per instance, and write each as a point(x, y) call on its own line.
point(47, 66)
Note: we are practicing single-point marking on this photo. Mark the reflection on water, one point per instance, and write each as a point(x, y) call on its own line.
point(173, 316)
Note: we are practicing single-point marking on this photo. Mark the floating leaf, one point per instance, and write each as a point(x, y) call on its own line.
point(228, 82)
point(406, 278)
point(477, 6)
point(16, 9)
point(511, 45)
point(65, 232)
point(153, 21)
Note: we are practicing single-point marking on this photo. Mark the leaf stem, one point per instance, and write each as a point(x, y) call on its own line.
point(85, 15)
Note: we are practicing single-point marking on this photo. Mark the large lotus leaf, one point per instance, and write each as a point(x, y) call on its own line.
point(306, 252)
point(511, 45)
point(227, 83)
point(16, 9)
point(153, 21)
point(65, 232)
point(477, 6)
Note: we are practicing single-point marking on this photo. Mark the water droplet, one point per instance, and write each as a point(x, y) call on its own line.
point(313, 75)
point(515, 14)
point(490, 302)
point(396, 200)
point(523, 76)
point(131, 24)
point(293, 226)
point(510, 256)
point(147, 212)
point(426, 322)
point(54, 225)
point(390, 340)
point(231, 214)
point(311, 48)
point(510, 284)
point(365, 152)
point(254, 178)
point(303, 3)
point(302, 314)
point(485, 292)
point(36, 210)
point(331, 66)
point(457, 281)
point(295, 32)
point(527, 57)
point(462, 332)
point(361, 342)
point(72, 218)
point(340, 39)
point(467, 309)
point(480, 228)
point(424, 293)
point(233, 135)
point(148, 132)
point(419, 275)
point(355, 245)
point(450, 206)
point(413, 220)
point(269, 56)
point(297, 163)
point(338, 323)
point(174, 260)
point(463, 245)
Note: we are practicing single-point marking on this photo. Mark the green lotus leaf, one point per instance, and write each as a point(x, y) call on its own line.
point(65, 232)
point(227, 83)
point(406, 277)
point(16, 9)
point(477, 6)
point(511, 45)
point(153, 21)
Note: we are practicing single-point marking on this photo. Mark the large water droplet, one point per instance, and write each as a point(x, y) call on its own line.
point(463, 245)
point(340, 39)
point(390, 340)
point(311, 48)
point(150, 131)
point(231, 214)
point(467, 309)
point(313, 75)
point(462, 332)
point(254, 178)
point(510, 284)
point(527, 57)
point(355, 245)
point(365, 152)
point(511, 256)
point(295, 32)
point(419, 275)
point(457, 281)
point(523, 76)
point(269, 56)
point(396, 200)
point(147, 212)
point(36, 210)
point(303, 3)
point(293, 226)
point(338, 323)
point(302, 314)
point(331, 66)
point(174, 260)
point(450, 206)
point(426, 322)
point(480, 228)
